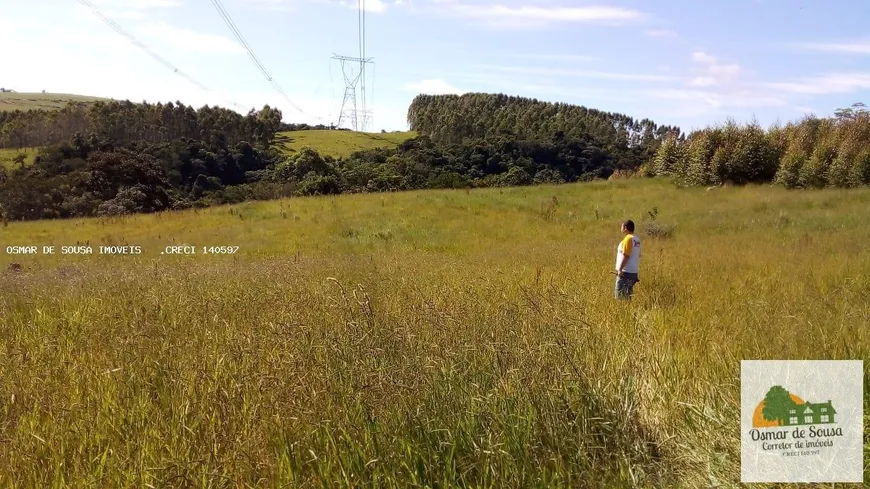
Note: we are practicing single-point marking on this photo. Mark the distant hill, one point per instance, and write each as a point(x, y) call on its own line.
point(338, 143)
point(10, 101)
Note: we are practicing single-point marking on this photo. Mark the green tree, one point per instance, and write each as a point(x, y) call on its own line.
point(857, 109)
point(777, 404)
point(814, 174)
point(860, 174)
point(789, 173)
point(702, 146)
point(668, 157)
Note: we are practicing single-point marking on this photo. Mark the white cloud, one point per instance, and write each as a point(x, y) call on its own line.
point(271, 5)
point(702, 57)
point(537, 16)
point(737, 99)
point(129, 9)
point(542, 71)
point(125, 14)
point(660, 33)
point(716, 88)
point(703, 81)
point(137, 4)
point(560, 57)
point(712, 72)
point(375, 6)
point(825, 84)
point(188, 40)
point(853, 47)
point(804, 110)
point(434, 87)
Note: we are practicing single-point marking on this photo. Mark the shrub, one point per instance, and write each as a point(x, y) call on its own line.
point(449, 180)
point(514, 177)
point(658, 230)
point(549, 176)
point(314, 184)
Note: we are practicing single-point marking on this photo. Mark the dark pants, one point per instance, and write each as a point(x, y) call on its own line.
point(624, 287)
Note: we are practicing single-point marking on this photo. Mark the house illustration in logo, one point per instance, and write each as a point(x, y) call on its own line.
point(810, 413)
point(782, 408)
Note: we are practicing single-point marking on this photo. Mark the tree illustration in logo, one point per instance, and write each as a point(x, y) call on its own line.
point(777, 404)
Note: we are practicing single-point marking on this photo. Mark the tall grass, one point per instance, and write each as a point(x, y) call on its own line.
point(425, 339)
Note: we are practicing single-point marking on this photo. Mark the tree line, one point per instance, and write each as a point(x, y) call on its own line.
point(421, 163)
point(97, 177)
point(125, 122)
point(811, 153)
point(109, 158)
point(475, 116)
point(303, 126)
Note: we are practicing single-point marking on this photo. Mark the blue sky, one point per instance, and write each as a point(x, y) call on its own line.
point(689, 63)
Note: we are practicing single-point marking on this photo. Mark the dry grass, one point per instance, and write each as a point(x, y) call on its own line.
point(424, 339)
point(339, 143)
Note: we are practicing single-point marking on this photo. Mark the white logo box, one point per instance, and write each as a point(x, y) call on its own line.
point(802, 421)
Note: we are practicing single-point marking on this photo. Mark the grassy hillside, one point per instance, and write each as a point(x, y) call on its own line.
point(422, 339)
point(7, 156)
point(37, 101)
point(339, 143)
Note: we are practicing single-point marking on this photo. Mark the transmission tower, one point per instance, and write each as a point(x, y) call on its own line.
point(354, 109)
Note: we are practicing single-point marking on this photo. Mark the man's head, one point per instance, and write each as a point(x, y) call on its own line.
point(628, 227)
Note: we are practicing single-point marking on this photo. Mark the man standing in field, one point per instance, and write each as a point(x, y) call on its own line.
point(627, 262)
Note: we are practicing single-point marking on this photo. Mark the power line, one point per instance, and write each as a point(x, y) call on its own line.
point(238, 35)
point(362, 65)
point(120, 30)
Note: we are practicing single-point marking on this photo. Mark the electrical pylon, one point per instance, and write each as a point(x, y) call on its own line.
point(352, 108)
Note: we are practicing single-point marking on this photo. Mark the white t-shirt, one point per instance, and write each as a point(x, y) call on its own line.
point(630, 245)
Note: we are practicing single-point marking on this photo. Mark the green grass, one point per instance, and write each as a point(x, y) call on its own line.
point(7, 156)
point(40, 101)
point(338, 143)
point(420, 339)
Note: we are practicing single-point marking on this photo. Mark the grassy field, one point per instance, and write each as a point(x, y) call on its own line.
point(37, 101)
point(7, 156)
point(339, 143)
point(422, 339)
